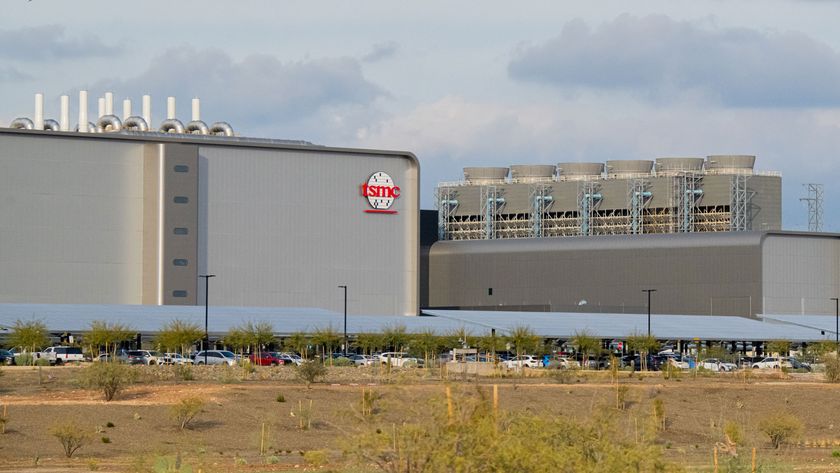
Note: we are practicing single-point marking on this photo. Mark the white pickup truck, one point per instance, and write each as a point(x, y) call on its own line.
point(61, 355)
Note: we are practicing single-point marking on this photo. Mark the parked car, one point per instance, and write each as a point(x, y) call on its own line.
point(143, 357)
point(523, 361)
point(714, 364)
point(399, 359)
point(288, 358)
point(363, 360)
point(265, 359)
point(793, 363)
point(176, 359)
point(564, 363)
point(61, 355)
point(215, 357)
point(770, 362)
point(7, 357)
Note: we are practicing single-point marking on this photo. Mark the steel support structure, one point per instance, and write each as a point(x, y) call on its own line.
point(446, 203)
point(637, 198)
point(588, 199)
point(686, 192)
point(491, 201)
point(739, 204)
point(541, 199)
point(815, 207)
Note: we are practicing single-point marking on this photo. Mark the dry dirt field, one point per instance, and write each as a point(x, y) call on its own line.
point(241, 411)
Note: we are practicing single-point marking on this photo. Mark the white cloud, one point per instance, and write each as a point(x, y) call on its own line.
point(661, 59)
point(381, 51)
point(50, 42)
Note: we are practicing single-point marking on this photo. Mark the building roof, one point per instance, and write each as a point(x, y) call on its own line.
point(148, 320)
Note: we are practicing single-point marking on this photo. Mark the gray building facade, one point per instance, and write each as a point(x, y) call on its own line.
point(729, 273)
point(135, 218)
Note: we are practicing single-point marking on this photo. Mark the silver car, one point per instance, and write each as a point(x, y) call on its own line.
point(215, 357)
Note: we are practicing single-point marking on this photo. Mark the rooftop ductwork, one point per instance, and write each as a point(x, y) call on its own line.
point(221, 128)
point(172, 125)
point(135, 123)
point(51, 125)
point(532, 172)
point(629, 168)
point(22, 124)
point(672, 166)
point(198, 126)
point(485, 175)
point(730, 164)
point(108, 123)
point(580, 171)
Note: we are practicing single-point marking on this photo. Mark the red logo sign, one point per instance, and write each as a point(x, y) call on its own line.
point(381, 192)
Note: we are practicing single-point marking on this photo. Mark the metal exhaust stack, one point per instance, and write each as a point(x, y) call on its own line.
point(126, 108)
point(101, 107)
point(83, 111)
point(109, 103)
point(38, 121)
point(64, 115)
point(196, 125)
point(147, 109)
point(171, 124)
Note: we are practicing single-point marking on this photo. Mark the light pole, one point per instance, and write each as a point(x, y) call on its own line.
point(345, 319)
point(206, 307)
point(836, 324)
point(648, 293)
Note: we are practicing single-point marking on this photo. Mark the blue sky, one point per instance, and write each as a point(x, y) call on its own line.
point(464, 83)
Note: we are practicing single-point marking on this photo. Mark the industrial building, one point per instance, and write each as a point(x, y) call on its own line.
point(671, 195)
point(725, 273)
point(114, 213)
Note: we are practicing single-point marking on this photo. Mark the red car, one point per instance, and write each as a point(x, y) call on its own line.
point(265, 359)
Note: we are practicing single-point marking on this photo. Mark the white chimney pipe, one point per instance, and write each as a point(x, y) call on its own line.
point(109, 103)
point(39, 112)
point(64, 116)
point(126, 108)
point(83, 111)
point(196, 109)
point(147, 109)
point(101, 103)
point(170, 108)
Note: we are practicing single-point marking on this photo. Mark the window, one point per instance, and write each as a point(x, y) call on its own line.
point(180, 262)
point(182, 168)
point(181, 231)
point(179, 293)
point(180, 199)
point(489, 291)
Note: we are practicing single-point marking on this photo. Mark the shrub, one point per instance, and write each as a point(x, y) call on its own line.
point(832, 369)
point(111, 378)
point(186, 410)
point(106, 439)
point(184, 372)
point(310, 371)
point(835, 453)
point(659, 413)
point(621, 396)
point(781, 428)
point(71, 436)
point(342, 361)
point(733, 433)
point(315, 457)
point(109, 425)
point(281, 398)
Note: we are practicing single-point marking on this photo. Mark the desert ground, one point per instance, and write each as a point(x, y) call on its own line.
point(269, 420)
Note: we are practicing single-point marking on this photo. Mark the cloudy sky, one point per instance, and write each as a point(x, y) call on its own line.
point(464, 83)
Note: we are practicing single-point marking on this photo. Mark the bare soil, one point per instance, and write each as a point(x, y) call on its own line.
point(226, 436)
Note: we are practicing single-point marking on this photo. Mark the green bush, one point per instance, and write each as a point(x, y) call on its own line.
point(110, 425)
point(835, 453)
point(310, 371)
point(111, 378)
point(186, 411)
point(184, 372)
point(781, 428)
point(832, 369)
point(316, 457)
point(281, 398)
point(106, 439)
point(733, 432)
point(342, 361)
point(71, 436)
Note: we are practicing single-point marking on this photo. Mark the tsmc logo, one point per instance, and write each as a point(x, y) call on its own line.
point(381, 192)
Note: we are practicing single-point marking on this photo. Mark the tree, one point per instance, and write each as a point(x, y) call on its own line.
point(251, 336)
point(298, 342)
point(326, 339)
point(236, 339)
point(370, 342)
point(427, 342)
point(586, 345)
point(523, 339)
point(108, 335)
point(71, 436)
point(643, 345)
point(29, 335)
point(782, 347)
point(111, 378)
point(395, 337)
point(178, 335)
